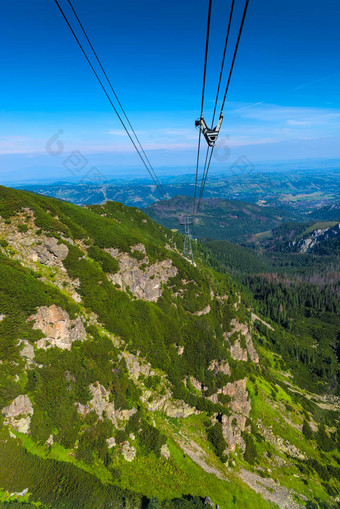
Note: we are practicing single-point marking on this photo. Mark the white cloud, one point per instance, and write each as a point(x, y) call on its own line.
point(249, 124)
point(117, 132)
point(298, 122)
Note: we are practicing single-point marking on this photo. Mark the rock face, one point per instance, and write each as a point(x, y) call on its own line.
point(191, 380)
point(27, 352)
point(50, 250)
point(18, 414)
point(220, 367)
point(165, 451)
point(154, 401)
point(204, 311)
point(111, 442)
point(270, 490)
point(104, 408)
point(165, 404)
point(236, 350)
point(59, 330)
point(100, 403)
point(32, 245)
point(145, 283)
point(128, 452)
point(33, 249)
point(234, 424)
point(279, 443)
point(137, 366)
point(318, 236)
point(255, 317)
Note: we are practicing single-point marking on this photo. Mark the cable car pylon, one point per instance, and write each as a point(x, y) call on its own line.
point(188, 253)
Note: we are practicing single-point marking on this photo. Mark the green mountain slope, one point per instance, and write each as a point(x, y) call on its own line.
point(327, 213)
point(295, 237)
point(219, 219)
point(130, 378)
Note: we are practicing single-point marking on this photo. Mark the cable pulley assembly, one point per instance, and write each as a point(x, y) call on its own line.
point(210, 135)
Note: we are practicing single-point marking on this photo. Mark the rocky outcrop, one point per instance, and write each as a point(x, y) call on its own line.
point(240, 405)
point(165, 403)
point(154, 400)
point(255, 318)
point(104, 408)
point(32, 244)
point(209, 502)
point(165, 451)
point(279, 443)
point(220, 367)
point(18, 414)
point(270, 490)
point(59, 330)
point(49, 251)
point(111, 442)
point(128, 451)
point(50, 441)
point(101, 404)
point(137, 366)
point(34, 249)
point(191, 380)
point(143, 280)
point(180, 349)
point(198, 455)
point(316, 237)
point(204, 311)
point(238, 352)
point(27, 352)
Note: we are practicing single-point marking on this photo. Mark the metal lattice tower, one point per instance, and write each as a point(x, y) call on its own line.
point(187, 221)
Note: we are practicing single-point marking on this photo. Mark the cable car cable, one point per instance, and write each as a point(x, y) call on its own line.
point(215, 106)
point(206, 167)
point(202, 101)
point(114, 92)
point(154, 179)
point(235, 53)
point(223, 59)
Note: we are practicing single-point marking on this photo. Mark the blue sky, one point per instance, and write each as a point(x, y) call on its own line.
point(283, 102)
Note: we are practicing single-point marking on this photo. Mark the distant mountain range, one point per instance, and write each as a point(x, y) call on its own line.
point(303, 191)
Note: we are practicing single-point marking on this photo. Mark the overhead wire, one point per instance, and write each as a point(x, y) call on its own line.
point(208, 158)
point(145, 161)
point(202, 101)
point(223, 60)
point(235, 53)
point(204, 174)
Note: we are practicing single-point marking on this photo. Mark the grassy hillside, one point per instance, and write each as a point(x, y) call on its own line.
point(130, 378)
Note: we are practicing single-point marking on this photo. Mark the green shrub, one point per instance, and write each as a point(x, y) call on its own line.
point(107, 262)
point(250, 453)
point(307, 430)
point(325, 442)
point(215, 436)
point(22, 228)
point(151, 439)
